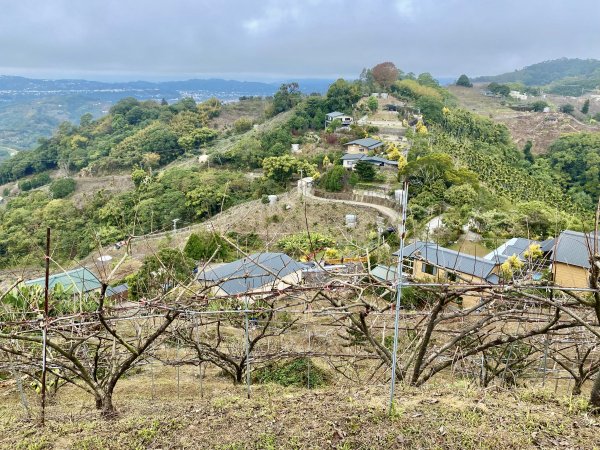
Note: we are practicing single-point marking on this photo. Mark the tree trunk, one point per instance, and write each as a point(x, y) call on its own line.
point(104, 404)
point(577, 387)
point(427, 338)
point(107, 407)
point(239, 374)
point(595, 394)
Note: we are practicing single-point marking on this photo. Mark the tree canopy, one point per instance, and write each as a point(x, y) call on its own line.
point(385, 73)
point(464, 81)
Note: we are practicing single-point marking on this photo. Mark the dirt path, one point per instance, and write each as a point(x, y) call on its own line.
point(391, 214)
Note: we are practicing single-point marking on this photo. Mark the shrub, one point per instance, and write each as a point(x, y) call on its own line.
point(203, 246)
point(539, 105)
point(62, 187)
point(365, 171)
point(242, 125)
point(333, 180)
point(299, 372)
point(567, 108)
point(463, 80)
point(35, 182)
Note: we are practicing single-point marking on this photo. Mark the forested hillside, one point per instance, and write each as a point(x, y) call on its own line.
point(460, 165)
point(546, 72)
point(34, 108)
point(564, 76)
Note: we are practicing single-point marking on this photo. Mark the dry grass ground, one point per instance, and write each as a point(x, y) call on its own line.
point(87, 187)
point(253, 109)
point(541, 128)
point(151, 414)
point(269, 222)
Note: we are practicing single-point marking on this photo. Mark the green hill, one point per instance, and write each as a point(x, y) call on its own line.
point(547, 72)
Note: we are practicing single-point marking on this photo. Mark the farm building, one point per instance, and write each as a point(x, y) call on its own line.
point(429, 261)
point(363, 146)
point(80, 282)
point(345, 119)
point(350, 160)
point(571, 259)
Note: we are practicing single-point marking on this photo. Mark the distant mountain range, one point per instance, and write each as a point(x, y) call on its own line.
point(33, 108)
point(565, 76)
point(13, 86)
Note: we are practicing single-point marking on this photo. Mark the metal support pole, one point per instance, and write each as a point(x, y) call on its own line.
point(399, 282)
point(546, 343)
point(247, 333)
point(45, 326)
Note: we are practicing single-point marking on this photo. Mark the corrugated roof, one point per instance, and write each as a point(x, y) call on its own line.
point(250, 273)
point(573, 248)
point(335, 114)
point(369, 159)
point(547, 245)
point(367, 142)
point(352, 156)
point(514, 246)
point(384, 273)
point(116, 290)
point(78, 280)
point(377, 159)
point(450, 259)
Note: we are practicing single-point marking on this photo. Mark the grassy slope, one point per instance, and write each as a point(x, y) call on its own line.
point(153, 415)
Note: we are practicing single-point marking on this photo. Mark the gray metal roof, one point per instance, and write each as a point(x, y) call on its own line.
point(369, 159)
point(77, 281)
point(334, 114)
point(352, 156)
point(384, 273)
point(573, 248)
point(251, 273)
point(451, 259)
point(367, 142)
point(514, 246)
point(377, 159)
point(116, 290)
point(547, 245)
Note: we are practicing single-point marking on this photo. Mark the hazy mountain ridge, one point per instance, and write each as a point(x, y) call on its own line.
point(32, 108)
point(25, 86)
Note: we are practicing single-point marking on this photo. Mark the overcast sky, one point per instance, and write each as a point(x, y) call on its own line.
point(276, 39)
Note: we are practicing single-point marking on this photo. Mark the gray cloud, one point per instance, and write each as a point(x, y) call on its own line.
point(285, 38)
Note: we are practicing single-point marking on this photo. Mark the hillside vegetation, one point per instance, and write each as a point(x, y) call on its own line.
point(459, 164)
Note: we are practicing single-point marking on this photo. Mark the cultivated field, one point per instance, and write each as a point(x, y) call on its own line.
point(541, 128)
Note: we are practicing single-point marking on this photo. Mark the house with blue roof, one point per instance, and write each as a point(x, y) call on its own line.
point(571, 258)
point(256, 273)
point(344, 119)
point(363, 146)
point(349, 160)
point(429, 261)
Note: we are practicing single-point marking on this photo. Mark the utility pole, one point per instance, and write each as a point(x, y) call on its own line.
point(175, 225)
point(399, 281)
